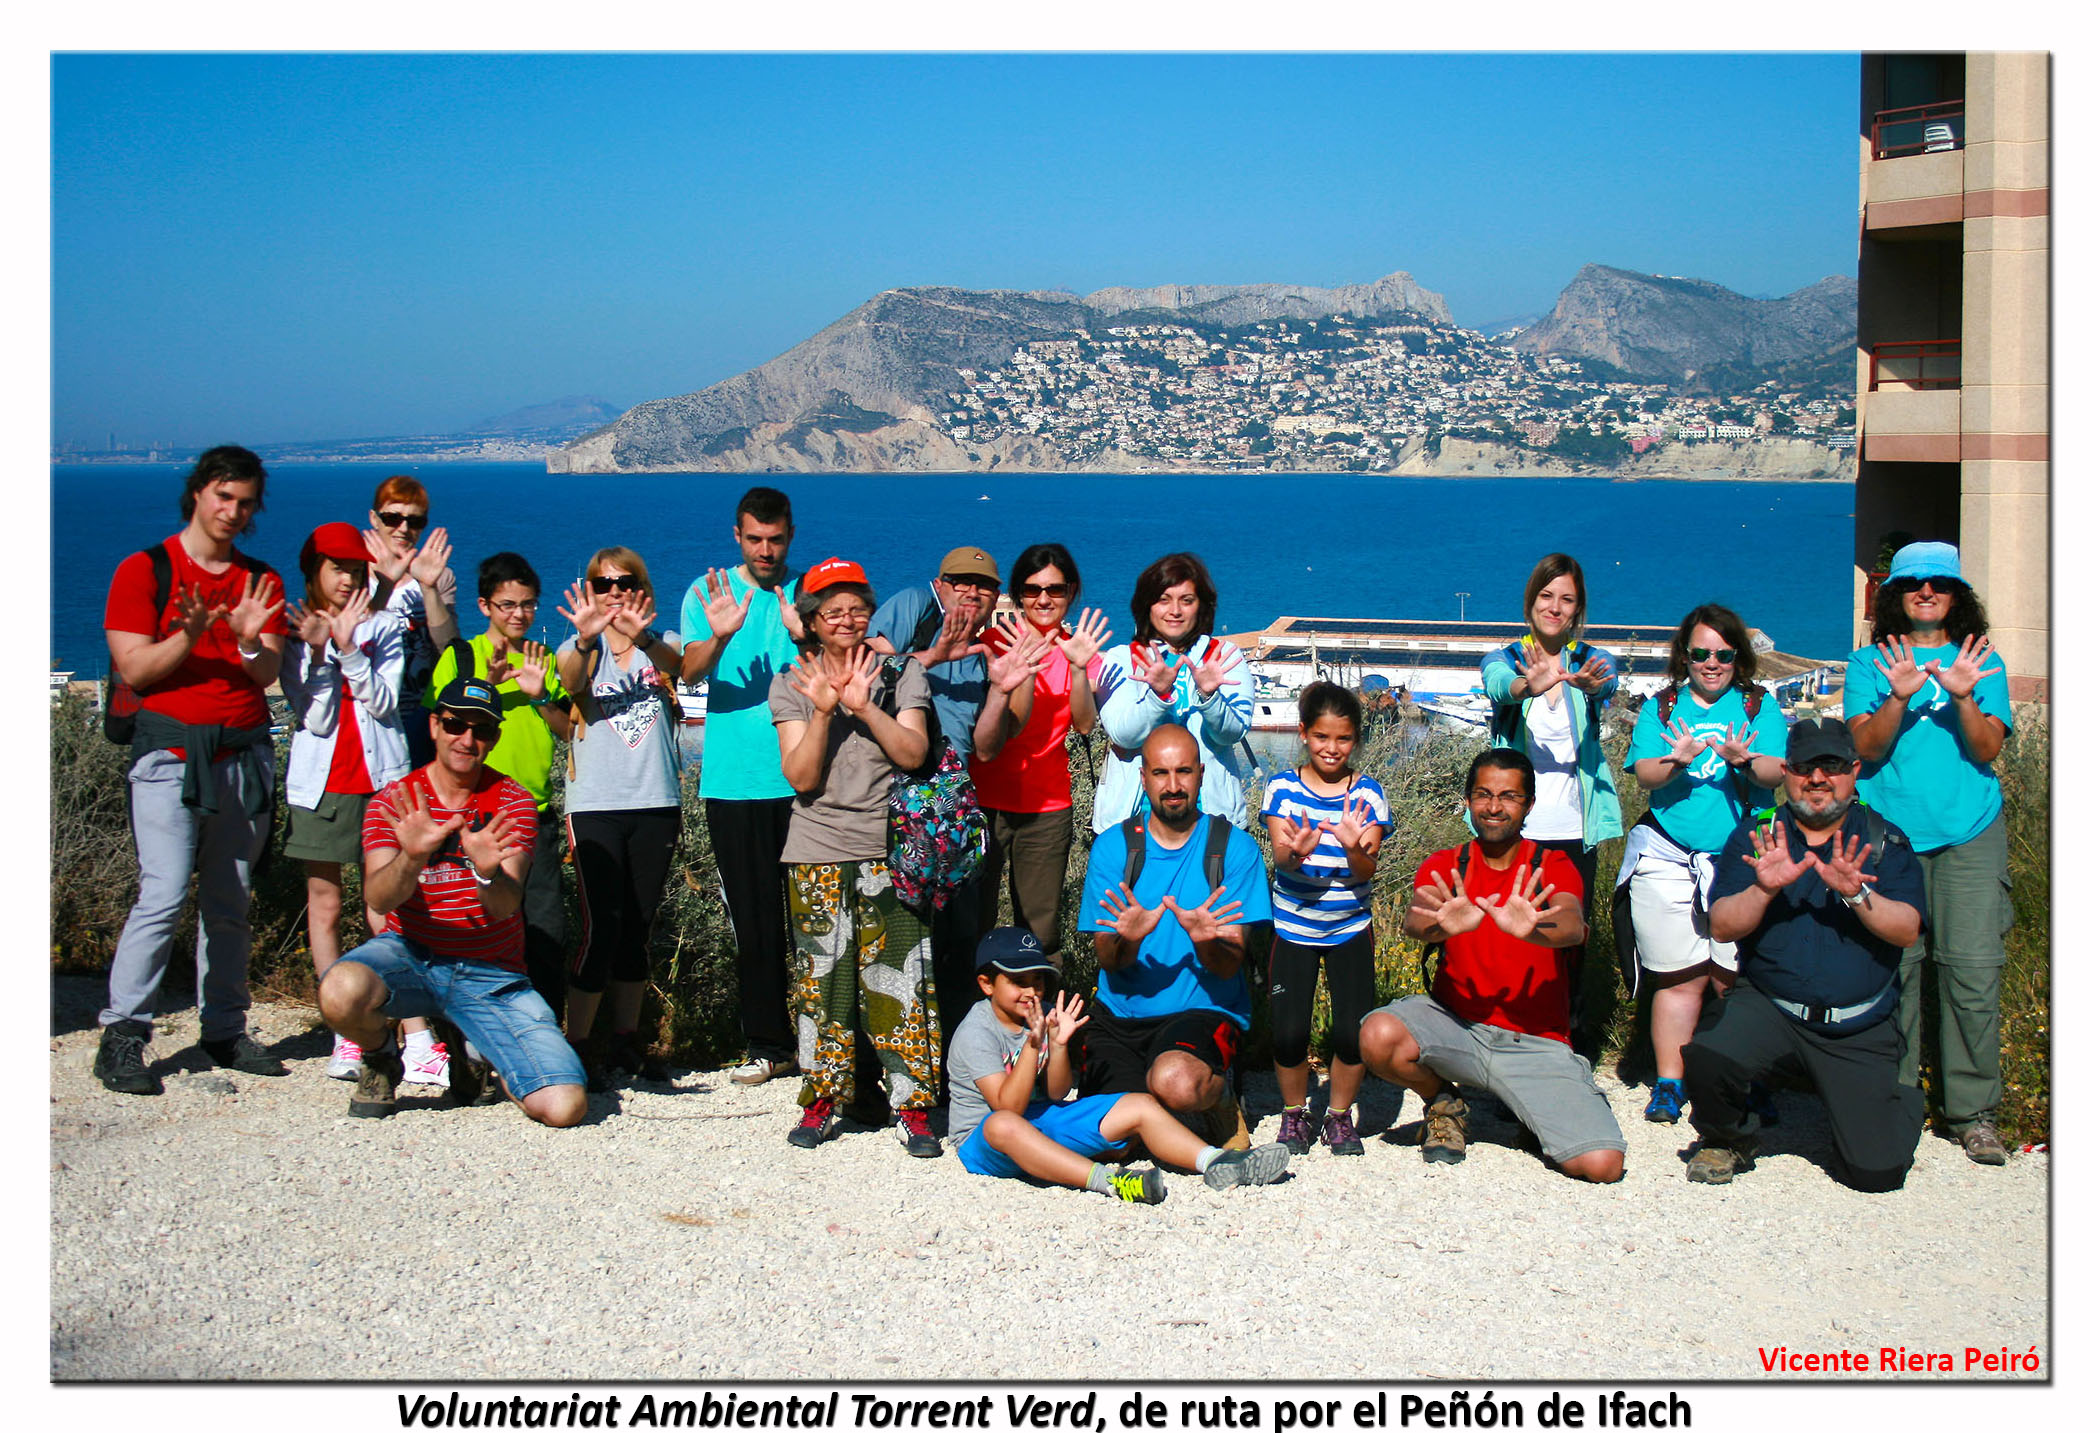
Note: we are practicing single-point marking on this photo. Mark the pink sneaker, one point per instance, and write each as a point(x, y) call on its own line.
point(431, 1066)
point(345, 1061)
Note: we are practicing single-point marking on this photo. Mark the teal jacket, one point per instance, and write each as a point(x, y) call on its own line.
point(1499, 677)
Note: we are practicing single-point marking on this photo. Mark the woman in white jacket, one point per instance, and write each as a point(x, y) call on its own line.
point(341, 680)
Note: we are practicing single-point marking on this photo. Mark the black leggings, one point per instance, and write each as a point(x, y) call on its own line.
point(621, 860)
point(1294, 972)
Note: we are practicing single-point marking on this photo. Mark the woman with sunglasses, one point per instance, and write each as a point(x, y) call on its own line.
point(847, 721)
point(622, 801)
point(1026, 790)
point(413, 580)
point(1929, 707)
point(1702, 748)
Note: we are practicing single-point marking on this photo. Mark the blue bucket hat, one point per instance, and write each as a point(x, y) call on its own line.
point(1926, 559)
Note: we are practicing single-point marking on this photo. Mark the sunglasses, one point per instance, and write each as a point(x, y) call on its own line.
point(1723, 655)
point(416, 521)
point(1904, 586)
point(971, 579)
point(1044, 589)
point(1828, 765)
point(625, 582)
point(460, 726)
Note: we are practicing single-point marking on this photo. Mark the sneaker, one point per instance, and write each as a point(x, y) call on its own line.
point(1296, 1133)
point(120, 1061)
point(1248, 1166)
point(757, 1070)
point(1980, 1142)
point(345, 1060)
point(1761, 1105)
point(920, 1142)
point(815, 1125)
point(1444, 1129)
point(624, 1055)
point(1718, 1162)
point(1138, 1186)
point(1339, 1134)
point(377, 1079)
point(243, 1054)
point(431, 1065)
point(1666, 1105)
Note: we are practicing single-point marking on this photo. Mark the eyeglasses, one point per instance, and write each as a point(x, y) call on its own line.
point(972, 579)
point(1044, 589)
point(530, 604)
point(1724, 655)
point(460, 726)
point(416, 521)
point(626, 582)
point(1827, 765)
point(844, 616)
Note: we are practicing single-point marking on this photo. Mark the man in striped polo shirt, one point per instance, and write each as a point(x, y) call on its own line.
point(447, 848)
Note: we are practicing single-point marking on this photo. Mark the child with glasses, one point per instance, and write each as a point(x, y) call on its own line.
point(411, 578)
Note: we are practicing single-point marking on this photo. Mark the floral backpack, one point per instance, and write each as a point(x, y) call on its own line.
point(937, 829)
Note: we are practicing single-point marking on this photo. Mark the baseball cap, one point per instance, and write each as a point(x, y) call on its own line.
point(338, 540)
point(1819, 736)
point(830, 572)
point(970, 562)
point(470, 696)
point(1012, 950)
point(1926, 559)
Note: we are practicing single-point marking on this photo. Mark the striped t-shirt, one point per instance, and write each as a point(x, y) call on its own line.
point(445, 914)
point(1320, 903)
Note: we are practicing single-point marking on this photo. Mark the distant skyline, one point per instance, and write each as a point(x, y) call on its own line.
point(272, 248)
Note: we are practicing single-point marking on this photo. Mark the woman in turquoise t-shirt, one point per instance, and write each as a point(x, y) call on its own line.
point(1929, 706)
point(1701, 748)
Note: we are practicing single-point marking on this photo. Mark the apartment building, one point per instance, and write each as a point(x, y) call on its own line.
point(1954, 331)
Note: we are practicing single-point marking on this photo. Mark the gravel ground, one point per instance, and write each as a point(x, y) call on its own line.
point(246, 1228)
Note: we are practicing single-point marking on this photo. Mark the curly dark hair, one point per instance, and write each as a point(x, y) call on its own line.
point(1965, 615)
point(1733, 634)
point(1171, 571)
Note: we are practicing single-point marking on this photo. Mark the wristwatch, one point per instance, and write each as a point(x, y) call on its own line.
point(1858, 899)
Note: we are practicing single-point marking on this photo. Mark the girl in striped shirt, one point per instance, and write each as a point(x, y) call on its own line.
point(1326, 823)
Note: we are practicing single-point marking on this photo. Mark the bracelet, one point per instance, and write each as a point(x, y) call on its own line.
point(246, 655)
point(481, 880)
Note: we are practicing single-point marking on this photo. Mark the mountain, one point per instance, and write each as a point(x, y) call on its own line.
point(522, 435)
point(572, 412)
point(1698, 334)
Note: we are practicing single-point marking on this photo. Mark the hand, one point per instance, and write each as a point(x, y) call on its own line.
point(262, 598)
point(487, 847)
point(1024, 655)
point(1030, 1008)
point(1542, 670)
point(1155, 669)
point(807, 676)
point(1733, 745)
point(585, 613)
point(1899, 667)
point(1446, 906)
point(386, 561)
point(1211, 675)
point(1959, 678)
point(1089, 636)
point(416, 831)
point(194, 615)
point(1132, 922)
point(1354, 827)
point(1520, 912)
point(1294, 838)
point(530, 670)
point(1774, 867)
point(1208, 921)
point(427, 563)
point(725, 614)
point(953, 640)
point(1594, 674)
point(789, 617)
point(1686, 745)
point(1843, 869)
point(855, 684)
point(308, 624)
point(343, 625)
point(633, 618)
point(1065, 1020)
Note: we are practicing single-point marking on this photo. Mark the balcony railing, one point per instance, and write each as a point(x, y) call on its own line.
point(1917, 363)
point(1918, 129)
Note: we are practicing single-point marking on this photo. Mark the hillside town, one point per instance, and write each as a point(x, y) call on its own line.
point(1268, 395)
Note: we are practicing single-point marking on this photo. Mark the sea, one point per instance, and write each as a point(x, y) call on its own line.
point(1304, 544)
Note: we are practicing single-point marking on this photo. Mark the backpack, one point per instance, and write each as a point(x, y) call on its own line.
point(937, 829)
point(121, 702)
point(1435, 949)
point(1214, 838)
point(1665, 699)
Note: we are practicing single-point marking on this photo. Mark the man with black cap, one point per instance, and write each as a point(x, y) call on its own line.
point(447, 848)
point(1820, 896)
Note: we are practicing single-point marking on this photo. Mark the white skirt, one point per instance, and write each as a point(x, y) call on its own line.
point(1670, 923)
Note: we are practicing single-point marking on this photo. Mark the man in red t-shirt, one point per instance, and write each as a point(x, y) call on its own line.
point(447, 848)
point(198, 648)
point(1511, 925)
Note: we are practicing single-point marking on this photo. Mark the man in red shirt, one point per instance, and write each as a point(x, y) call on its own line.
point(196, 630)
point(1496, 1016)
point(447, 848)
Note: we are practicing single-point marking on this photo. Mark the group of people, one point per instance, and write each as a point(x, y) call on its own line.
point(1782, 923)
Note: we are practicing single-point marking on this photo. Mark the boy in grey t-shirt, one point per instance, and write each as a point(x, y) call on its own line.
point(1009, 1066)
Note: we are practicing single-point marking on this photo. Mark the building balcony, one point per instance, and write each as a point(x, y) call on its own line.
point(1914, 365)
point(1918, 129)
point(1915, 180)
point(1911, 411)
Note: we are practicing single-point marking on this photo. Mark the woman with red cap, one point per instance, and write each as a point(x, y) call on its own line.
point(847, 721)
point(341, 679)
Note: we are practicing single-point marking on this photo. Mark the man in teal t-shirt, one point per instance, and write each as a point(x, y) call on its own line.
point(739, 629)
point(1929, 707)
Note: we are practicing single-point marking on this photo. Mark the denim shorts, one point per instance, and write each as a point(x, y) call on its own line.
point(495, 1008)
point(1076, 1126)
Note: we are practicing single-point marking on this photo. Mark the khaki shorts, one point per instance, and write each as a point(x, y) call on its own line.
point(332, 831)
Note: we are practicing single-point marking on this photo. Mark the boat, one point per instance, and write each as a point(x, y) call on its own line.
point(692, 701)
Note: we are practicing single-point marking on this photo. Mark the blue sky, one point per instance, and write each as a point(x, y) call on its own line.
point(262, 248)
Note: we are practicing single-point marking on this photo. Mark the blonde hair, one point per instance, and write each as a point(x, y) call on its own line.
point(624, 558)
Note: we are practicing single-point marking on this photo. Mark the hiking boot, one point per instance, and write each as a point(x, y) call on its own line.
point(373, 1098)
point(1138, 1186)
point(1761, 1104)
point(1719, 1162)
point(625, 1055)
point(345, 1059)
point(1248, 1166)
point(429, 1065)
point(757, 1070)
point(1666, 1105)
point(243, 1054)
point(815, 1124)
point(1980, 1142)
point(1224, 1124)
point(1444, 1129)
point(594, 1077)
point(1296, 1133)
point(120, 1061)
point(920, 1142)
point(1339, 1134)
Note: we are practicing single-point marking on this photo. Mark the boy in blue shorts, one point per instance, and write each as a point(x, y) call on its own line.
point(1009, 1066)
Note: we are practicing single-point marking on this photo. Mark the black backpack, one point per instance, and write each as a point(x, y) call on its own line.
point(121, 704)
point(1214, 840)
point(1434, 949)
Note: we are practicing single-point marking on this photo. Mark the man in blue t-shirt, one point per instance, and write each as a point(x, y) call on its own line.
point(739, 629)
point(1172, 1002)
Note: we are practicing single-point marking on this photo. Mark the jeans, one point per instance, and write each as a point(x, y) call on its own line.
point(497, 1009)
